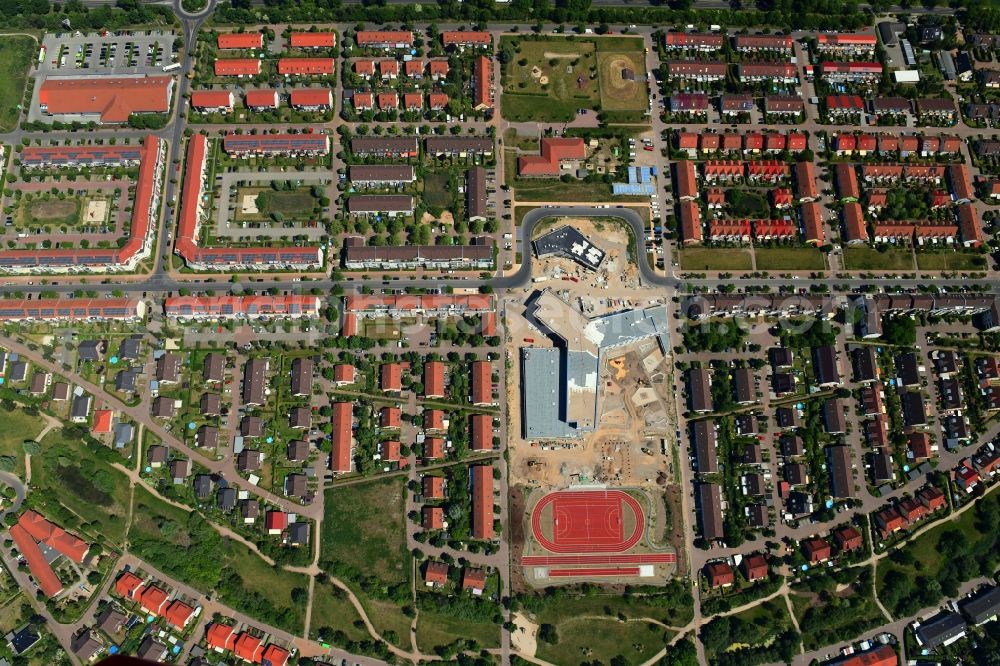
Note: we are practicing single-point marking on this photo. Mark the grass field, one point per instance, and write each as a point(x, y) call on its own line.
point(951, 261)
point(869, 259)
point(289, 203)
point(715, 259)
point(364, 528)
point(436, 192)
point(585, 639)
point(745, 203)
point(332, 610)
point(251, 585)
point(73, 487)
point(622, 79)
point(18, 427)
point(549, 79)
point(789, 259)
point(16, 55)
point(434, 629)
point(35, 211)
point(673, 606)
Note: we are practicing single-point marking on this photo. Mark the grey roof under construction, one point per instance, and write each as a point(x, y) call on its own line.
point(568, 242)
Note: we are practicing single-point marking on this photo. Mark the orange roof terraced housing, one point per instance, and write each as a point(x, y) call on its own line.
point(248, 40)
point(291, 66)
point(391, 377)
point(465, 37)
point(230, 306)
point(248, 648)
point(482, 81)
point(275, 656)
point(312, 97)
point(482, 432)
point(212, 99)
point(237, 67)
point(343, 422)
point(114, 99)
point(152, 600)
point(53, 536)
point(434, 379)
point(482, 381)
point(127, 584)
point(314, 40)
point(220, 637)
point(384, 37)
point(140, 239)
point(178, 613)
point(482, 501)
point(262, 99)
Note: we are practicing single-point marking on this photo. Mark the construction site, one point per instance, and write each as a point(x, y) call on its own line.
point(594, 412)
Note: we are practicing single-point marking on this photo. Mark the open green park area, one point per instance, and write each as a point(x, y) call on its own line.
point(789, 259)
point(715, 259)
point(16, 54)
point(19, 426)
point(935, 563)
point(39, 210)
point(259, 203)
point(549, 78)
point(863, 258)
point(951, 260)
point(748, 204)
point(364, 545)
point(587, 624)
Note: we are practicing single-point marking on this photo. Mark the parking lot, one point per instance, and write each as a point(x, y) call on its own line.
point(125, 53)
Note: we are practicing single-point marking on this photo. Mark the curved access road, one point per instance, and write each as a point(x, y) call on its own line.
point(17, 484)
point(625, 215)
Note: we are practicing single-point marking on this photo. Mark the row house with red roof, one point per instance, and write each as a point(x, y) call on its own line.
point(767, 171)
point(384, 39)
point(846, 44)
point(762, 43)
point(690, 70)
point(909, 511)
point(223, 638)
point(840, 107)
point(851, 72)
point(240, 40)
point(690, 222)
point(313, 40)
point(693, 41)
point(689, 104)
point(756, 72)
point(153, 600)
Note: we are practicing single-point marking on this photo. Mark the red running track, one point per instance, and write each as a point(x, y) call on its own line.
point(550, 560)
point(588, 521)
point(614, 571)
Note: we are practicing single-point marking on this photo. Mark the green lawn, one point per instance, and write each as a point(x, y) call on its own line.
point(251, 585)
point(364, 529)
point(746, 203)
point(436, 190)
point(18, 427)
point(74, 487)
point(332, 611)
point(588, 640)
point(16, 54)
point(789, 259)
point(947, 260)
point(549, 79)
point(672, 605)
point(861, 258)
point(715, 259)
point(434, 629)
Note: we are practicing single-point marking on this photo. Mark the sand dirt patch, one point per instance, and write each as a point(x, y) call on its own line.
point(249, 205)
point(524, 639)
point(97, 211)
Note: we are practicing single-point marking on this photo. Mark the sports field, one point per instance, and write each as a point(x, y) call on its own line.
point(587, 522)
